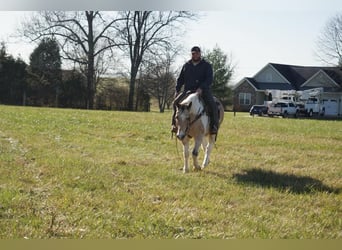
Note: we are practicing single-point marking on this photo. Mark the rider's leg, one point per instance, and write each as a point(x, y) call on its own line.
point(213, 112)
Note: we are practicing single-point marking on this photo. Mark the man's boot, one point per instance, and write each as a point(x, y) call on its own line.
point(214, 122)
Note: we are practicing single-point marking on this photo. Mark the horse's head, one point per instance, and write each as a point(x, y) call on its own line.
point(183, 119)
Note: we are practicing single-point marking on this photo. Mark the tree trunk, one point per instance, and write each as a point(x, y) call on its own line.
point(90, 67)
point(134, 72)
point(24, 98)
point(90, 84)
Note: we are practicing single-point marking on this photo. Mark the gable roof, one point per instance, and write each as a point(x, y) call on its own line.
point(298, 75)
point(321, 73)
point(246, 79)
point(277, 72)
point(334, 73)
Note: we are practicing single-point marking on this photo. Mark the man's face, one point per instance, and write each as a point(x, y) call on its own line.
point(195, 56)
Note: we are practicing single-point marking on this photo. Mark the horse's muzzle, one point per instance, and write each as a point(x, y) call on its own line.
point(180, 135)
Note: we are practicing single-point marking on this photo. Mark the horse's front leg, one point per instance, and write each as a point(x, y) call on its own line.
point(208, 149)
point(186, 155)
point(198, 142)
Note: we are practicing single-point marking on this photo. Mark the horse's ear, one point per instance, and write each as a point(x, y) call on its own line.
point(189, 105)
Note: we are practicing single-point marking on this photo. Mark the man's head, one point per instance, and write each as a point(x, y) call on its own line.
point(195, 54)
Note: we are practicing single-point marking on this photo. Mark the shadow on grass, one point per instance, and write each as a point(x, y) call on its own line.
point(283, 182)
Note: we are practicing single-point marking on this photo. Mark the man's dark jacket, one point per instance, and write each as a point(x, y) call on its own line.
point(195, 76)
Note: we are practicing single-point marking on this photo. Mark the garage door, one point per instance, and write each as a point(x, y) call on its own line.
point(331, 107)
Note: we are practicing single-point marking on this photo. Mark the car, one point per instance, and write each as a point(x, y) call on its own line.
point(258, 110)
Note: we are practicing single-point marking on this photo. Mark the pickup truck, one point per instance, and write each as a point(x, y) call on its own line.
point(314, 107)
point(283, 109)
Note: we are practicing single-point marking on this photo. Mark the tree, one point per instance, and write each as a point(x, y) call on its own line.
point(329, 43)
point(112, 94)
point(159, 79)
point(223, 71)
point(82, 36)
point(45, 65)
point(12, 78)
point(146, 32)
point(73, 90)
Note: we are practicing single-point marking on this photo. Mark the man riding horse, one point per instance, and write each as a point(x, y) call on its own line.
point(197, 76)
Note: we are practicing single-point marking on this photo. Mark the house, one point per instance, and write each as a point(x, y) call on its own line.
point(281, 77)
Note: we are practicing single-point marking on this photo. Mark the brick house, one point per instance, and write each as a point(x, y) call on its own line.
point(272, 77)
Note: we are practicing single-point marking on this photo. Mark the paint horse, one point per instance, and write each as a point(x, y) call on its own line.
point(193, 121)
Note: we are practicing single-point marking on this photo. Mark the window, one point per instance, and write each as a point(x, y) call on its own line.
point(245, 98)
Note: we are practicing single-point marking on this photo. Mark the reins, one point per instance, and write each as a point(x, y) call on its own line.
point(198, 116)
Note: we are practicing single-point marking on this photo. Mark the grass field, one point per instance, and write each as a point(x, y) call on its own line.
point(102, 174)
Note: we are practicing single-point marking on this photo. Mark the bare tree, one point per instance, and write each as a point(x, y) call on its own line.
point(83, 37)
point(146, 32)
point(329, 44)
point(159, 78)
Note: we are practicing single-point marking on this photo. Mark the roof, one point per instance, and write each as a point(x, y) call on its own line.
point(298, 75)
point(335, 74)
point(269, 85)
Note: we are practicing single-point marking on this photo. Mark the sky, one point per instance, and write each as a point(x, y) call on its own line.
point(253, 33)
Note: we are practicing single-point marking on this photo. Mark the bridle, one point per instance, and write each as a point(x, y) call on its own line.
point(197, 117)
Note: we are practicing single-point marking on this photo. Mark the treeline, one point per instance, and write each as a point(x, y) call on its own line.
point(44, 83)
point(90, 44)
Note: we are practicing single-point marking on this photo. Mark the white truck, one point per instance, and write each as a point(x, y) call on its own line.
point(314, 106)
point(312, 103)
point(282, 108)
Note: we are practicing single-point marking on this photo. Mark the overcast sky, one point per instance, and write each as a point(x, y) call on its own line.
point(253, 32)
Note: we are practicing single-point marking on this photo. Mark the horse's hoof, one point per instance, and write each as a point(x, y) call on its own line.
point(197, 168)
point(185, 170)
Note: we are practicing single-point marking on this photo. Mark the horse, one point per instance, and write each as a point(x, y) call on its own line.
point(192, 121)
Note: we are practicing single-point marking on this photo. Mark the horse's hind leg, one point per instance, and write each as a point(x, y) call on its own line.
point(198, 142)
point(204, 143)
point(208, 149)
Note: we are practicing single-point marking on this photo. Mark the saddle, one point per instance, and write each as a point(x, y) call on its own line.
point(206, 109)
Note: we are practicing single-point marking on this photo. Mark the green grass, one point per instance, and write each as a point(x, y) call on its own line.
point(100, 174)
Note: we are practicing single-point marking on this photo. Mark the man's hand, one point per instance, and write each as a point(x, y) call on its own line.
point(199, 91)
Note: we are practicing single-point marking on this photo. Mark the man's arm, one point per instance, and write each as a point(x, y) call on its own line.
point(180, 80)
point(208, 77)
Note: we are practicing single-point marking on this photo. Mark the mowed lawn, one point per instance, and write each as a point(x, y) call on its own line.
point(103, 174)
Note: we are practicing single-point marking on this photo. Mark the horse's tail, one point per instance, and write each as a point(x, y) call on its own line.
point(220, 109)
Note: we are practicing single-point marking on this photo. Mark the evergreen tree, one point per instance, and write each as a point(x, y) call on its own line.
point(223, 71)
point(12, 79)
point(46, 73)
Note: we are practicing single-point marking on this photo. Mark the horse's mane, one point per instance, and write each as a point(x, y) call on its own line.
point(192, 98)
